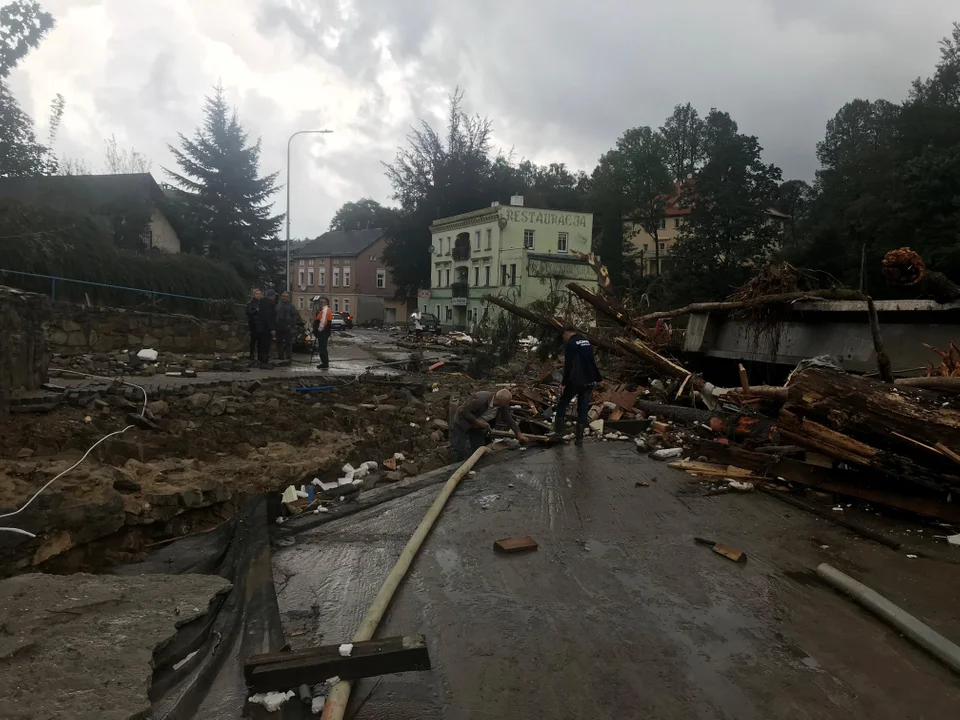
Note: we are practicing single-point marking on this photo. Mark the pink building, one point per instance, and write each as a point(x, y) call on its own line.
point(347, 267)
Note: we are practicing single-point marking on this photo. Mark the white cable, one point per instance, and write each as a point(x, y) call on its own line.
point(84, 457)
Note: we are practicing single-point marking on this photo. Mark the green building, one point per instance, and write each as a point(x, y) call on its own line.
point(520, 253)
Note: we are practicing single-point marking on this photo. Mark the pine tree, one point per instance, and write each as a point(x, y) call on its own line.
point(223, 207)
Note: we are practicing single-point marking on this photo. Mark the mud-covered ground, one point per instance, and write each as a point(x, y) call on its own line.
point(209, 452)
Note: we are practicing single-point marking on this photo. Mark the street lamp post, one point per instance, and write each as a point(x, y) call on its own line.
point(299, 132)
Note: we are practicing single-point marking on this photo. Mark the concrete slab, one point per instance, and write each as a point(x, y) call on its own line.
point(81, 646)
point(619, 614)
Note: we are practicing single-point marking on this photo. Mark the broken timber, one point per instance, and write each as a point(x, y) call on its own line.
point(285, 670)
point(546, 321)
point(608, 307)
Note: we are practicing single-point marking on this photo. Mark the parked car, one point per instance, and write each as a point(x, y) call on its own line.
point(428, 323)
point(341, 321)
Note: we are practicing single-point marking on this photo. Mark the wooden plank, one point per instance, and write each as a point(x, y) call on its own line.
point(842, 483)
point(521, 543)
point(282, 671)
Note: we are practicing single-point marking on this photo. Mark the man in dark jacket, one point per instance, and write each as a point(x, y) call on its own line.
point(473, 419)
point(266, 327)
point(287, 319)
point(580, 375)
point(253, 307)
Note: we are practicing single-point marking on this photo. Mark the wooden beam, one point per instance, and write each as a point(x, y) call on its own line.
point(842, 483)
point(552, 323)
point(610, 308)
point(668, 367)
point(285, 670)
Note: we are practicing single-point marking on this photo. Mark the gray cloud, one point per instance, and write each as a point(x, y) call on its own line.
point(561, 80)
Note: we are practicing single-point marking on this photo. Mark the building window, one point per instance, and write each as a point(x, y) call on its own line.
point(476, 276)
point(448, 278)
point(346, 305)
point(448, 245)
point(439, 278)
point(336, 261)
point(310, 277)
point(513, 274)
point(503, 274)
point(300, 302)
point(300, 277)
point(309, 261)
point(676, 222)
point(663, 224)
point(663, 246)
point(322, 277)
point(336, 277)
point(561, 242)
point(381, 278)
point(449, 313)
point(486, 275)
point(489, 239)
point(476, 237)
point(528, 239)
point(438, 312)
point(439, 246)
point(346, 277)
point(646, 246)
point(336, 304)
point(301, 263)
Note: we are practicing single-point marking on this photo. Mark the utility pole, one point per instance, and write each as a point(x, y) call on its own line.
point(286, 284)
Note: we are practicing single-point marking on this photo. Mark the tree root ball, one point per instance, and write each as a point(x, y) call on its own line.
point(903, 266)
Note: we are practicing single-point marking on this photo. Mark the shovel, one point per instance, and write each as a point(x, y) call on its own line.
point(731, 553)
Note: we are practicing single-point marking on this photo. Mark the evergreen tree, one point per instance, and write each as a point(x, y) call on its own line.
point(23, 25)
point(223, 206)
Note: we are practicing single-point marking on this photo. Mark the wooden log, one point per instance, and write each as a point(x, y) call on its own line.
point(851, 484)
point(832, 443)
point(871, 412)
point(883, 362)
point(609, 307)
point(550, 322)
point(753, 302)
point(285, 670)
point(942, 384)
point(638, 349)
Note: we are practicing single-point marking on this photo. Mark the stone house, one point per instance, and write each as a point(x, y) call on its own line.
point(130, 207)
point(347, 267)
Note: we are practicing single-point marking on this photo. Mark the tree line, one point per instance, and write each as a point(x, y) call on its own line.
point(889, 177)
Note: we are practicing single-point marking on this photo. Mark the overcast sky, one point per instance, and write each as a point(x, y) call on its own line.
point(561, 79)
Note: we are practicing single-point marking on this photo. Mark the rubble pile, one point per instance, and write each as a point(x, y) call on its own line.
point(894, 443)
point(146, 362)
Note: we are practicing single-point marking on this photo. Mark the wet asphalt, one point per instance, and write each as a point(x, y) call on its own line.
point(619, 614)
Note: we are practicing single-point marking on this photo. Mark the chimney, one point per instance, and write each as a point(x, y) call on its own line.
point(517, 200)
point(495, 203)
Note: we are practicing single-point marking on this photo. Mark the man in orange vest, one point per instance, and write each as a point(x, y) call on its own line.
point(321, 331)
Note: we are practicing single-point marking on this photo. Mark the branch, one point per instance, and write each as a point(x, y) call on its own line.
point(552, 323)
point(754, 302)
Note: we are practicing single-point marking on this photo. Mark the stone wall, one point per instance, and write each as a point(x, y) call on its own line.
point(24, 352)
point(75, 330)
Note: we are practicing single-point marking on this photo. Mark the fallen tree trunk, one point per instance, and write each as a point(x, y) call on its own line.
point(547, 321)
point(754, 302)
point(872, 411)
point(943, 384)
point(666, 366)
point(610, 308)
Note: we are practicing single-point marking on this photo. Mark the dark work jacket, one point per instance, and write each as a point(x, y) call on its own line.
point(266, 316)
point(287, 316)
point(253, 307)
point(476, 407)
point(579, 367)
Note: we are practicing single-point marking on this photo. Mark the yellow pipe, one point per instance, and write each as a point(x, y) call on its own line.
point(336, 704)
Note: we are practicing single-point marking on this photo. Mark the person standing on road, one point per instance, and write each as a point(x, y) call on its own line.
point(580, 376)
point(472, 422)
point(321, 331)
point(287, 320)
point(253, 307)
point(266, 327)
